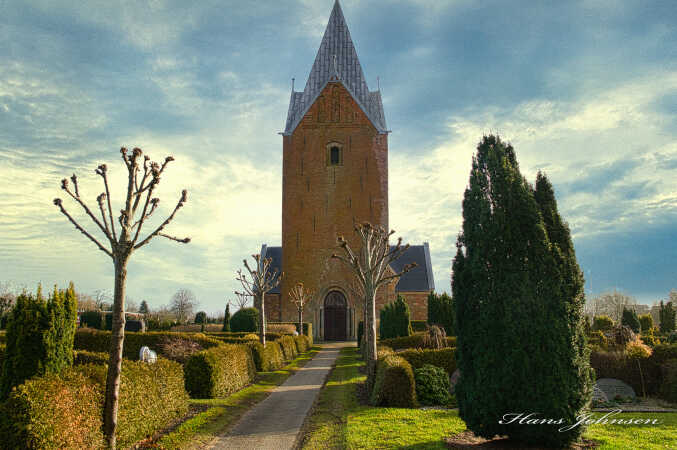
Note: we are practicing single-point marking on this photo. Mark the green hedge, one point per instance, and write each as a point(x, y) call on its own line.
point(307, 327)
point(419, 325)
point(270, 358)
point(3, 337)
point(219, 371)
point(444, 358)
point(239, 334)
point(2, 353)
point(245, 319)
point(394, 384)
point(288, 347)
point(81, 357)
point(413, 341)
point(65, 411)
point(99, 341)
point(303, 343)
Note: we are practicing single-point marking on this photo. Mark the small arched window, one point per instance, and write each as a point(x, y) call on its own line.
point(334, 154)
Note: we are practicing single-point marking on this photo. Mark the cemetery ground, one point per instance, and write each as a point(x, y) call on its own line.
point(342, 419)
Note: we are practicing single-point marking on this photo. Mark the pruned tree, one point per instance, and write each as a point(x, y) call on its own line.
point(183, 302)
point(300, 297)
point(370, 266)
point(143, 178)
point(260, 283)
point(241, 298)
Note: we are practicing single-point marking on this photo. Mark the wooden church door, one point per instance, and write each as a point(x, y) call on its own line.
point(335, 315)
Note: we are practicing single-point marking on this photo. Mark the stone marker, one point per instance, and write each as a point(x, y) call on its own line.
point(612, 387)
point(598, 395)
point(453, 379)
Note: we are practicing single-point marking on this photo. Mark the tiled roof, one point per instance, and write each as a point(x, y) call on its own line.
point(336, 59)
point(419, 278)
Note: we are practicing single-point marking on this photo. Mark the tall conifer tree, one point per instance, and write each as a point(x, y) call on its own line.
point(518, 301)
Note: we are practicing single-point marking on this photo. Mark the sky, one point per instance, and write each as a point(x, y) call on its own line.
point(584, 90)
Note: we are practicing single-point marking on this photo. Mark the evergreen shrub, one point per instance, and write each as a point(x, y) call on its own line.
point(646, 322)
point(245, 320)
point(418, 326)
point(92, 319)
point(219, 371)
point(288, 347)
point(394, 383)
point(441, 312)
point(444, 358)
point(226, 319)
point(268, 359)
point(630, 319)
point(302, 343)
point(432, 385)
point(602, 323)
point(394, 319)
point(307, 327)
point(81, 357)
point(668, 390)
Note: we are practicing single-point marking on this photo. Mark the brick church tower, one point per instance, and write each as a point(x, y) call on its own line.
point(335, 174)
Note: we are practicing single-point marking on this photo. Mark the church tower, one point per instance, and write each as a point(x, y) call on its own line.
point(334, 175)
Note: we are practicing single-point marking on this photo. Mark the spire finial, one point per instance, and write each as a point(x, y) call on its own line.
point(378, 81)
point(292, 84)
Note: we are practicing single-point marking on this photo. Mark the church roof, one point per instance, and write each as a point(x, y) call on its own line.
point(418, 279)
point(336, 60)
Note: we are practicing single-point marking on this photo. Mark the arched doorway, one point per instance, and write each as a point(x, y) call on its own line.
point(335, 317)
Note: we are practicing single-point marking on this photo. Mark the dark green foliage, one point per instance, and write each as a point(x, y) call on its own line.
point(219, 371)
point(360, 333)
point(441, 312)
point(64, 411)
point(394, 384)
point(666, 315)
point(81, 357)
point(669, 381)
point(645, 322)
point(226, 319)
point(245, 319)
point(672, 337)
point(144, 309)
point(444, 358)
point(201, 317)
point(288, 347)
point(602, 323)
point(395, 319)
point(631, 320)
point(413, 341)
point(99, 341)
point(587, 325)
point(39, 337)
point(418, 326)
point(92, 319)
point(518, 294)
point(432, 385)
point(616, 364)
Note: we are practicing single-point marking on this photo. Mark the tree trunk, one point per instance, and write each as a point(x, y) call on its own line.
point(370, 338)
point(110, 411)
point(260, 298)
point(301, 322)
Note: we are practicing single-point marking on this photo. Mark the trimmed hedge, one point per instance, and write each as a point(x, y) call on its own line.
point(81, 357)
point(65, 411)
point(245, 319)
point(394, 384)
point(419, 325)
point(219, 371)
point(288, 347)
point(444, 358)
point(99, 341)
point(432, 385)
point(619, 365)
point(303, 343)
point(270, 358)
point(668, 388)
point(413, 341)
point(307, 327)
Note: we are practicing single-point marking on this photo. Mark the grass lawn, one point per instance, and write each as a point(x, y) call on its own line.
point(223, 412)
point(340, 422)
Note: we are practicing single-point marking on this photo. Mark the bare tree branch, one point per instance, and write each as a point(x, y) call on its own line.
point(58, 203)
point(102, 170)
point(64, 186)
point(182, 200)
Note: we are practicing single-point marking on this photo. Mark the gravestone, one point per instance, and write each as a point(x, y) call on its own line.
point(453, 379)
point(613, 387)
point(598, 395)
point(147, 355)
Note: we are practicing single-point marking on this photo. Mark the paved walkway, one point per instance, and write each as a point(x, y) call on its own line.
point(276, 422)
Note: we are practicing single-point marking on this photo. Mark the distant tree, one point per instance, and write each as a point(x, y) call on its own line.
point(667, 317)
point(182, 304)
point(201, 317)
point(300, 297)
point(630, 319)
point(645, 322)
point(144, 309)
point(131, 305)
point(7, 299)
point(612, 304)
point(259, 283)
point(372, 270)
point(226, 319)
point(142, 179)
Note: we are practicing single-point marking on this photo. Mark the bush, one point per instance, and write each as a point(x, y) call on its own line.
point(226, 319)
point(201, 317)
point(360, 333)
point(598, 339)
point(307, 327)
point(394, 384)
point(281, 328)
point(418, 326)
point(269, 358)
point(131, 323)
point(444, 358)
point(669, 381)
point(434, 337)
point(394, 319)
point(602, 323)
point(622, 335)
point(413, 341)
point(219, 371)
point(637, 349)
point(178, 349)
point(672, 337)
point(638, 372)
point(288, 347)
point(302, 343)
point(39, 337)
point(646, 322)
point(65, 411)
point(99, 341)
point(441, 312)
point(92, 319)
point(432, 385)
point(630, 319)
point(245, 319)
point(81, 357)
point(649, 338)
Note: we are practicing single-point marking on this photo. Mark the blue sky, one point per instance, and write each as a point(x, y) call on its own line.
point(584, 90)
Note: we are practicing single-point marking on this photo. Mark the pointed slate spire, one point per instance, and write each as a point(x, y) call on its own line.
point(336, 59)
